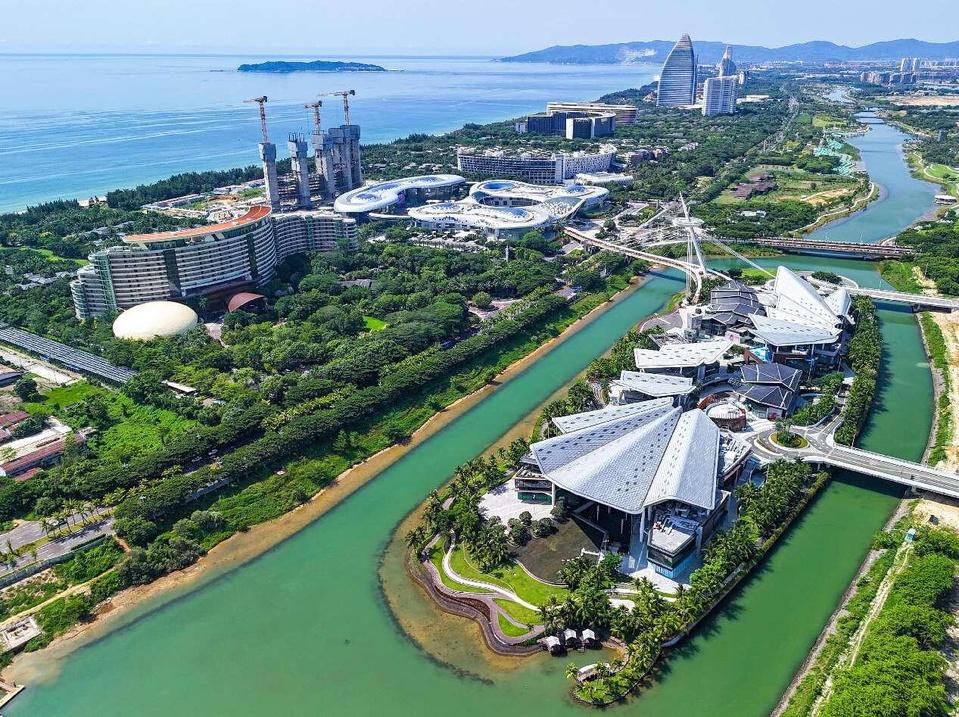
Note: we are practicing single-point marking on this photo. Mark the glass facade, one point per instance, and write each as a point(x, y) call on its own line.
point(677, 83)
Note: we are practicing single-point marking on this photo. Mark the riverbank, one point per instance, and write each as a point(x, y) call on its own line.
point(817, 659)
point(245, 546)
point(860, 204)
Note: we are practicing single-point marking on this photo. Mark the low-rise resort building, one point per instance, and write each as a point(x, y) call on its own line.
point(495, 222)
point(384, 199)
point(505, 209)
point(653, 471)
point(507, 193)
point(538, 168)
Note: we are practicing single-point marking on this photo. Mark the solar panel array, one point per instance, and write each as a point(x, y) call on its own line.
point(66, 356)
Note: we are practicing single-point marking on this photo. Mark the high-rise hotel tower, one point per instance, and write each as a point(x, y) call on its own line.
point(677, 83)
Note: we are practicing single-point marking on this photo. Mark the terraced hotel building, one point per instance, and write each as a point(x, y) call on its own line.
point(203, 261)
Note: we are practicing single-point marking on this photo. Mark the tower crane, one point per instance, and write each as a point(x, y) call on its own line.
point(345, 94)
point(261, 101)
point(315, 106)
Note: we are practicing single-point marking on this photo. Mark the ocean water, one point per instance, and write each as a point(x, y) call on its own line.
point(81, 125)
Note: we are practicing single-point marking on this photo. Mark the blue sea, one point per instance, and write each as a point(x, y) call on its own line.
point(81, 125)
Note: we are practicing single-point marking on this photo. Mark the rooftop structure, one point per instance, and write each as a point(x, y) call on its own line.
point(499, 222)
point(791, 333)
point(625, 114)
point(509, 193)
point(386, 195)
point(154, 319)
point(730, 306)
point(680, 356)
point(800, 327)
point(10, 419)
point(64, 355)
point(677, 82)
point(770, 387)
point(587, 419)
point(653, 454)
point(43, 456)
point(253, 216)
point(639, 386)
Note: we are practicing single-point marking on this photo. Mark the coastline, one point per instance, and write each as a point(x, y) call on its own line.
point(246, 546)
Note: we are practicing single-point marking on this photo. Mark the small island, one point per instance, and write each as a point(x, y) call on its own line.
point(314, 66)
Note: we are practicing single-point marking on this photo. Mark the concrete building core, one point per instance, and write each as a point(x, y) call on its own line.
point(270, 182)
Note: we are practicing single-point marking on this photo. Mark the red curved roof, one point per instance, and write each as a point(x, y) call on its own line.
point(255, 214)
point(238, 301)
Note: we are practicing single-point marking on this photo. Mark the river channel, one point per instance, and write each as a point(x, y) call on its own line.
point(304, 629)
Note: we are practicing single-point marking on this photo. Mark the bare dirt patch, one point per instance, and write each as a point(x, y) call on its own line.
point(944, 510)
point(928, 101)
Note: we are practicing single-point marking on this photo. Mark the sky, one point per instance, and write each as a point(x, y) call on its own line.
point(437, 27)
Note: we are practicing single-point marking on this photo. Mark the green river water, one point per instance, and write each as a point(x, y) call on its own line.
point(304, 629)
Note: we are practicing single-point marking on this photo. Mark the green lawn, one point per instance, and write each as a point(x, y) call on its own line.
point(512, 577)
point(133, 428)
point(519, 612)
point(436, 557)
point(373, 324)
point(46, 254)
point(508, 628)
point(900, 275)
point(941, 171)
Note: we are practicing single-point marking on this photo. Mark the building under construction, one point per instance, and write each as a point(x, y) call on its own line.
point(336, 161)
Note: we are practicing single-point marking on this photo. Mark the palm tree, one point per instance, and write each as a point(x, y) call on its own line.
point(572, 671)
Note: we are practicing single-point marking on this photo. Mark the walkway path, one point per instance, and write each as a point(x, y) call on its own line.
point(481, 607)
point(508, 594)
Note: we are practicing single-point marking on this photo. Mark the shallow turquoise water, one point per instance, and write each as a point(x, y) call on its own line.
point(79, 125)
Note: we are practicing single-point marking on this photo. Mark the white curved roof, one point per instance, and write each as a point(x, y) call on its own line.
point(469, 214)
point(682, 355)
point(512, 190)
point(154, 319)
point(654, 384)
point(579, 421)
point(384, 194)
point(798, 301)
point(657, 453)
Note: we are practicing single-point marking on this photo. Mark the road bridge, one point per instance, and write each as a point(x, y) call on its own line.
point(918, 301)
point(822, 449)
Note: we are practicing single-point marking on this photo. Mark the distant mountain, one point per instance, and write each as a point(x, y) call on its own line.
point(315, 66)
point(655, 51)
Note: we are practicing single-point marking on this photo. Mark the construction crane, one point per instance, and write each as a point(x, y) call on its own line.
point(315, 106)
point(261, 101)
point(345, 94)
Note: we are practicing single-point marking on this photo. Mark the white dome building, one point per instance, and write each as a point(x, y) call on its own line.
point(154, 319)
